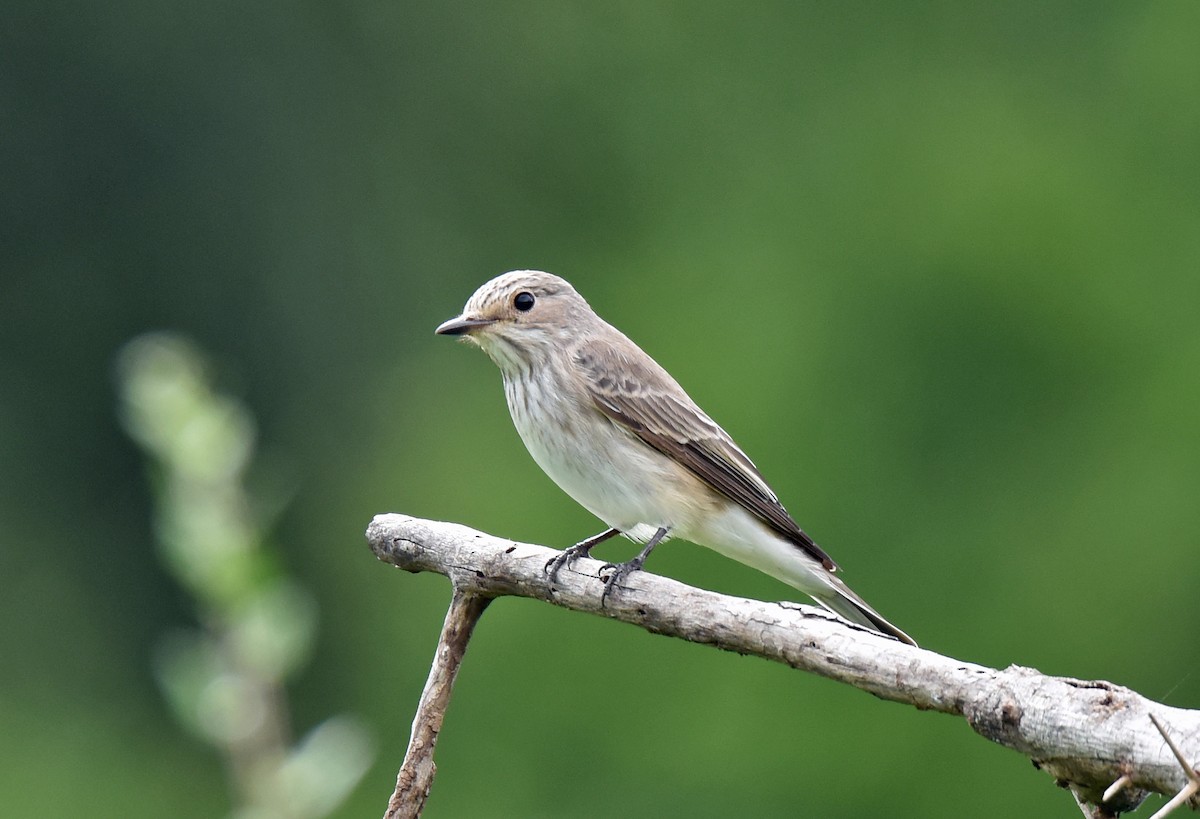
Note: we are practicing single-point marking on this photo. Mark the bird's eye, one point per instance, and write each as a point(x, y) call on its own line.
point(523, 301)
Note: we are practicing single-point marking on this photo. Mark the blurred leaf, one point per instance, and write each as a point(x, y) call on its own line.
point(273, 631)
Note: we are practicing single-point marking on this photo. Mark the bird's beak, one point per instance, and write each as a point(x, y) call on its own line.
point(462, 325)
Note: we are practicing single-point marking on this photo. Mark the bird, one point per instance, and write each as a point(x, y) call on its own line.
point(621, 437)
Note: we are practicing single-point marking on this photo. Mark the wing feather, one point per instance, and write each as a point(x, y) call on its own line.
point(644, 398)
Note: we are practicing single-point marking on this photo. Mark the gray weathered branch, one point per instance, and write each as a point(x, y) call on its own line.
point(415, 777)
point(1086, 734)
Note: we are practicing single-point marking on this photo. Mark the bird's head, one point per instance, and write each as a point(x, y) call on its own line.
point(520, 315)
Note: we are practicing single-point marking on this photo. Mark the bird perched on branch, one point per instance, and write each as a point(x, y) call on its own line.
point(619, 435)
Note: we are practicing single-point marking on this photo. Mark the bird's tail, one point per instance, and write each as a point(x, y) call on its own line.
point(740, 536)
point(842, 601)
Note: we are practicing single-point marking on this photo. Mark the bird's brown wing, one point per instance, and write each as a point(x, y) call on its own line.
point(634, 391)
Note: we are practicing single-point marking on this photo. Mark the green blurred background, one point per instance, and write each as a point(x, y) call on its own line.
point(936, 266)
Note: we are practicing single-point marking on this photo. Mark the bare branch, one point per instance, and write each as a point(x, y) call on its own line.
point(1085, 734)
point(415, 777)
point(1193, 778)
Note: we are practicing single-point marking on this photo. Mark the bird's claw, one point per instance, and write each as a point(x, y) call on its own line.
point(616, 573)
point(565, 558)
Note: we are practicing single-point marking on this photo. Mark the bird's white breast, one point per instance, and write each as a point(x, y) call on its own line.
point(603, 466)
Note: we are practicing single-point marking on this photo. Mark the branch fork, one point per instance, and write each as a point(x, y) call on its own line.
point(1107, 743)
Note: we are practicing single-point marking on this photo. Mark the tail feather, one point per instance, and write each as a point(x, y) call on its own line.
point(738, 535)
point(842, 601)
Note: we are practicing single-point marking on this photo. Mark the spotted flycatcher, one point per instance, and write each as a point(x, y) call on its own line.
point(616, 432)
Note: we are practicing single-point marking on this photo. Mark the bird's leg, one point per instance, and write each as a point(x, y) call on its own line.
point(572, 553)
point(618, 571)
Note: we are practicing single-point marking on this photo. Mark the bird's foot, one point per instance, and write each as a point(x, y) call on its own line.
point(572, 553)
point(565, 558)
point(616, 572)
